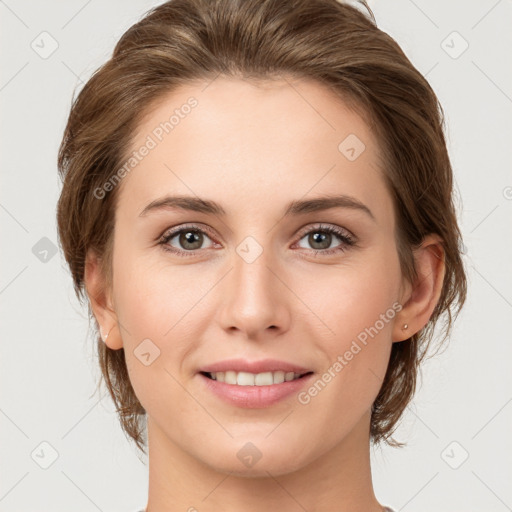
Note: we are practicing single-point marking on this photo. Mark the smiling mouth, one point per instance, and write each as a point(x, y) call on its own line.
point(252, 379)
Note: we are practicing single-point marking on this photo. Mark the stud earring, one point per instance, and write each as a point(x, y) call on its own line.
point(405, 326)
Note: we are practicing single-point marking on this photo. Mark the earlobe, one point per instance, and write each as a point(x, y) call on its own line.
point(104, 336)
point(425, 291)
point(101, 303)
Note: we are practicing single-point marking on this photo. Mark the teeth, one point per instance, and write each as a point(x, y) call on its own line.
point(251, 379)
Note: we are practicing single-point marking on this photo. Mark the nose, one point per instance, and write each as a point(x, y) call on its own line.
point(255, 302)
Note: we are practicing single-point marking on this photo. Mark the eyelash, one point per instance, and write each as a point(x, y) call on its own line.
point(346, 239)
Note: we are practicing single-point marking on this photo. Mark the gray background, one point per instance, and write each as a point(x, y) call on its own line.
point(48, 366)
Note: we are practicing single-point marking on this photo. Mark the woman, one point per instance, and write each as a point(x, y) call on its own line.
point(257, 204)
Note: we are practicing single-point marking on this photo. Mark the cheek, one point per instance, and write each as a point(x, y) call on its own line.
point(149, 299)
point(139, 306)
point(163, 315)
point(356, 294)
point(358, 311)
point(356, 307)
point(153, 311)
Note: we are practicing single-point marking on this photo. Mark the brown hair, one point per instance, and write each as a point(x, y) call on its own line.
point(325, 40)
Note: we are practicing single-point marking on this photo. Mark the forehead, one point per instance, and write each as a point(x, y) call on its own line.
point(253, 144)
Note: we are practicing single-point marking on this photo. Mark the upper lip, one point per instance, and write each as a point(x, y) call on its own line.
point(243, 365)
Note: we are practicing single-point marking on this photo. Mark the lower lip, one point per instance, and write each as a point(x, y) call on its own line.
point(254, 397)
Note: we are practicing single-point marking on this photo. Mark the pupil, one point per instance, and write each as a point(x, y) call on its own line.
point(191, 237)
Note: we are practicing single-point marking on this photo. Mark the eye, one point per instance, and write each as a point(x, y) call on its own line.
point(188, 238)
point(321, 238)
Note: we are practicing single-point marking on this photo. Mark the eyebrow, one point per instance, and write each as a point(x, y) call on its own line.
point(298, 207)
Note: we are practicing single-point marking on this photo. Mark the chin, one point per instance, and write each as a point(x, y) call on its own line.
point(249, 462)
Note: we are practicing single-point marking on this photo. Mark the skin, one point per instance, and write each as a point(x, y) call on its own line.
point(254, 148)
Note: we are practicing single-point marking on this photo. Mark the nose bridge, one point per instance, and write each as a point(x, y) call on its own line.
point(251, 274)
point(254, 298)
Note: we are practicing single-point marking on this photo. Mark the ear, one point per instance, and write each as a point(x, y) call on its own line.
point(101, 301)
point(421, 297)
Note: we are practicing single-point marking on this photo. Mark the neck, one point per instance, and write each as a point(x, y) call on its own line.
point(339, 479)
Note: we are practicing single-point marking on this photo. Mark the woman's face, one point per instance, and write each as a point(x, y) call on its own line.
point(264, 279)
